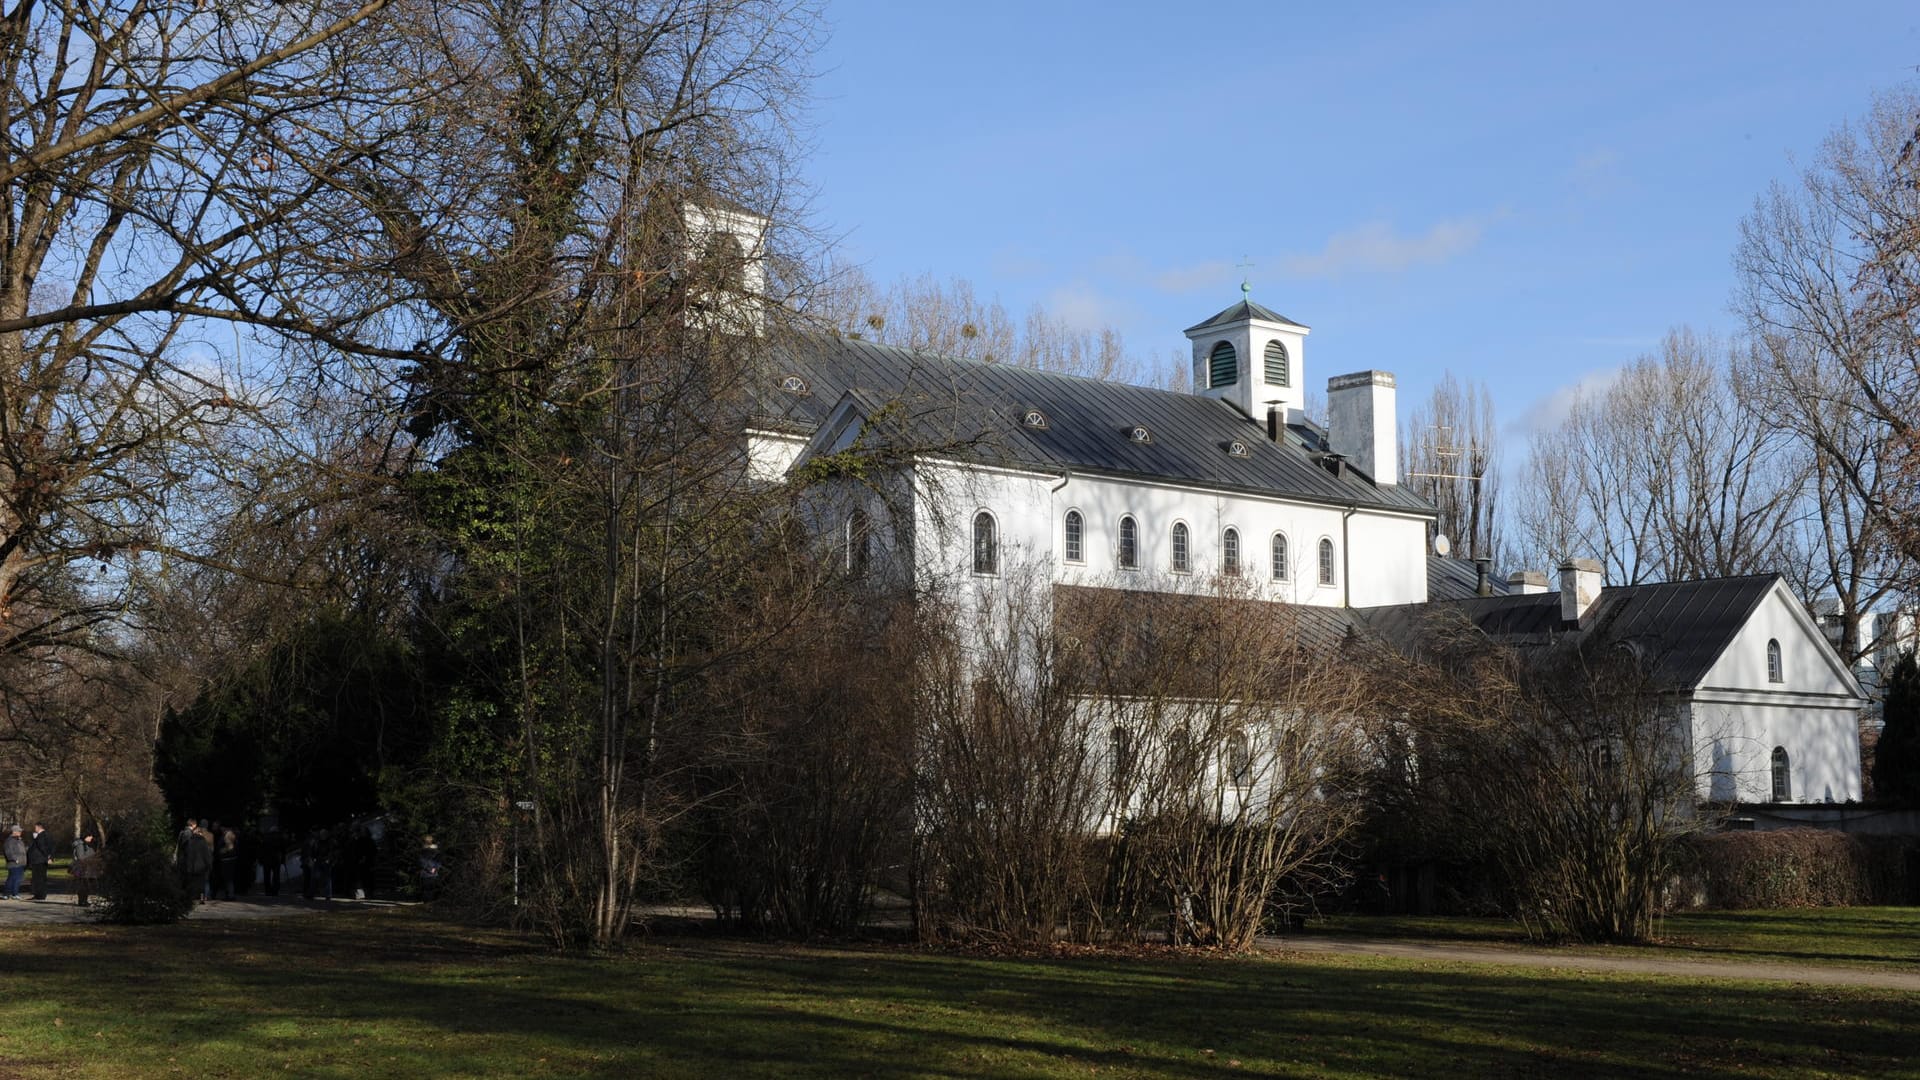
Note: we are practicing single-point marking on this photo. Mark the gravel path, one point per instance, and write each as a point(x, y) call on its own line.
point(61, 906)
point(1818, 974)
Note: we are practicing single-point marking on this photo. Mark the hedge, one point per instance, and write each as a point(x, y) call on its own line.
point(1799, 868)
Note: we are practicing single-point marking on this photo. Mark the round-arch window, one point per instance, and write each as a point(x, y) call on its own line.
point(1128, 554)
point(1326, 561)
point(986, 545)
point(857, 541)
point(1279, 556)
point(1223, 365)
point(1230, 552)
point(1782, 775)
point(1076, 537)
point(1774, 671)
point(1278, 372)
point(1181, 560)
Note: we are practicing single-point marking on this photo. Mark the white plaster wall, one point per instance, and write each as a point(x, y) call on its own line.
point(770, 454)
point(1739, 715)
point(1734, 742)
point(1387, 564)
point(1251, 392)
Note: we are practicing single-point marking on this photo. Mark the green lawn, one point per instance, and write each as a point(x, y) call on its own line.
point(399, 994)
point(1885, 938)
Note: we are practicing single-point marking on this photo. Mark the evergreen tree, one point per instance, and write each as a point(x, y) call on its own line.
point(1896, 762)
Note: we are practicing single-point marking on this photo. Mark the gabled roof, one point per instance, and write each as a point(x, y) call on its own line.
point(1241, 312)
point(976, 411)
point(1679, 628)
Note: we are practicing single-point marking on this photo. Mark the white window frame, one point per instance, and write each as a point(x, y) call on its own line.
point(1278, 568)
point(1180, 548)
point(1068, 541)
point(993, 543)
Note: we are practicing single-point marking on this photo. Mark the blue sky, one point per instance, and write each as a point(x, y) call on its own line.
point(1524, 194)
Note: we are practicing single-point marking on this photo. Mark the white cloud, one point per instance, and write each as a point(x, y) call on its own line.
point(1550, 411)
point(1377, 247)
point(1185, 279)
point(1082, 307)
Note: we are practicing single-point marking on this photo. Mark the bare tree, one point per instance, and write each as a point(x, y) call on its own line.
point(1836, 359)
point(951, 319)
point(1558, 770)
point(1450, 454)
point(1234, 752)
point(1671, 472)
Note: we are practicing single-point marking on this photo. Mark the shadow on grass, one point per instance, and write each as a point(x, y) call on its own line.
point(402, 995)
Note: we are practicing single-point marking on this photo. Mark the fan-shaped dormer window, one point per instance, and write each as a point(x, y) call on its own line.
point(1139, 434)
point(1236, 448)
point(1230, 552)
point(1782, 775)
point(794, 384)
point(1279, 372)
point(1034, 418)
point(1774, 672)
point(1223, 365)
point(986, 544)
point(1182, 548)
point(1128, 552)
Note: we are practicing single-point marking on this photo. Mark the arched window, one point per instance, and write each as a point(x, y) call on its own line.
point(1239, 759)
point(1230, 552)
point(1223, 365)
point(1279, 556)
point(1181, 562)
point(856, 541)
point(986, 545)
point(1278, 373)
point(1128, 554)
point(1773, 662)
point(1326, 561)
point(1076, 537)
point(1782, 775)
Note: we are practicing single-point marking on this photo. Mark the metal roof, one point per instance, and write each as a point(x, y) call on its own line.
point(972, 409)
point(1680, 628)
point(1458, 579)
point(1241, 312)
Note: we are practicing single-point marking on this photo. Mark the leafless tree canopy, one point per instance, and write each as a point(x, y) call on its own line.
point(1450, 454)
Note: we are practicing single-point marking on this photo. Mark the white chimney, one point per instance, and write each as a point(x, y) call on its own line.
point(1580, 584)
point(1526, 582)
point(1361, 425)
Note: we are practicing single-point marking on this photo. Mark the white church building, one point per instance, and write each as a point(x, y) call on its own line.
point(985, 467)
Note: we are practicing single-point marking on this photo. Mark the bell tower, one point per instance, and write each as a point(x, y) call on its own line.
point(1251, 356)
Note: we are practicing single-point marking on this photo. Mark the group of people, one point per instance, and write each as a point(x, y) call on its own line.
point(218, 862)
point(34, 854)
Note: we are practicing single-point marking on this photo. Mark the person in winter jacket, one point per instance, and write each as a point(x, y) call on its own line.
point(39, 857)
point(16, 852)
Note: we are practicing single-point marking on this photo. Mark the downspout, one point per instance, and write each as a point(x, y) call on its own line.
point(1346, 557)
point(1053, 525)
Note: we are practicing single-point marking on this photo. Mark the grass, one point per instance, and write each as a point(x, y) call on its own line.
point(399, 994)
point(1882, 938)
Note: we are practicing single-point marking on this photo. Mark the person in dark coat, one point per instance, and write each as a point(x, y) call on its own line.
point(227, 855)
point(271, 851)
point(16, 850)
point(199, 863)
point(85, 866)
point(39, 855)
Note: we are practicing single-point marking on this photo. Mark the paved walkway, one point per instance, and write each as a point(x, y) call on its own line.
point(1520, 956)
point(61, 906)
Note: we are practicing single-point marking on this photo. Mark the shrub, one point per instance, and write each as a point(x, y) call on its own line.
point(1801, 868)
point(141, 884)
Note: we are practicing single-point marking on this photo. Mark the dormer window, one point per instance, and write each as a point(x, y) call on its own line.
point(794, 384)
point(1223, 365)
point(1236, 448)
point(1034, 418)
point(1140, 434)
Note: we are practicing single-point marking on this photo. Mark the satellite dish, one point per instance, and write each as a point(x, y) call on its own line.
point(1441, 545)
